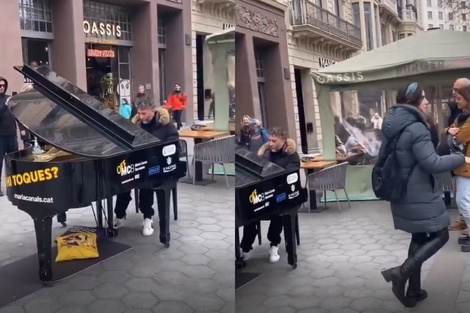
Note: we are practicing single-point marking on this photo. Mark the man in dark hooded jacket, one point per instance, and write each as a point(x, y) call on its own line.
point(281, 151)
point(8, 139)
point(158, 123)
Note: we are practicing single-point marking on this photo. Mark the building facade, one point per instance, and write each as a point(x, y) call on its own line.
point(262, 75)
point(313, 46)
point(323, 32)
point(113, 45)
point(438, 14)
point(385, 21)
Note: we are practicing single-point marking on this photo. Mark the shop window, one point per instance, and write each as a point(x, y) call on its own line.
point(259, 65)
point(124, 65)
point(162, 73)
point(261, 86)
point(115, 18)
point(356, 14)
point(36, 16)
point(161, 31)
point(36, 52)
point(368, 25)
point(262, 103)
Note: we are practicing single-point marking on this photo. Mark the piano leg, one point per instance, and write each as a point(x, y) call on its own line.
point(62, 218)
point(163, 203)
point(43, 228)
point(239, 262)
point(174, 193)
point(99, 213)
point(110, 231)
point(289, 237)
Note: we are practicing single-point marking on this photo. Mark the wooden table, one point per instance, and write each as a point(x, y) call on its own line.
point(210, 127)
point(339, 158)
point(200, 136)
point(309, 168)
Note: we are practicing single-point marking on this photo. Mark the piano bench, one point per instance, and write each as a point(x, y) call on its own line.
point(297, 230)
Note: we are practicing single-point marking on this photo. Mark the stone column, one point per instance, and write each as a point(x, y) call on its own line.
point(374, 26)
point(10, 51)
point(363, 25)
point(379, 26)
point(68, 47)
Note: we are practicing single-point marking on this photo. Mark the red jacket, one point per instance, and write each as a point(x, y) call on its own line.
point(176, 101)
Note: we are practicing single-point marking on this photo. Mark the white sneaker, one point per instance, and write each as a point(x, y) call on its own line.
point(274, 254)
point(147, 227)
point(245, 255)
point(118, 223)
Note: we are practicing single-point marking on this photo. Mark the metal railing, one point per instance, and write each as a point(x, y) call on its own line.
point(304, 12)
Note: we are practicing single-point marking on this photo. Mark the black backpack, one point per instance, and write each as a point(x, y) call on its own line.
point(389, 182)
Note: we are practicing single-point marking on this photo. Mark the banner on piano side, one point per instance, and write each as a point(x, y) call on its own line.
point(271, 195)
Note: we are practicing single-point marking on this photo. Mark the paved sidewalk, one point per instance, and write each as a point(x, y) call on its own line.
point(196, 274)
point(340, 259)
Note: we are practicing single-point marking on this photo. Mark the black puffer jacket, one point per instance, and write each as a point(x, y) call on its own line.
point(7, 121)
point(422, 209)
point(287, 157)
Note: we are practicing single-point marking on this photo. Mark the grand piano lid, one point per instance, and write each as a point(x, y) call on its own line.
point(65, 116)
point(251, 168)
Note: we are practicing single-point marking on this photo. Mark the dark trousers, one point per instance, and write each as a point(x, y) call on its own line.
point(145, 203)
point(250, 232)
point(122, 202)
point(422, 247)
point(177, 116)
point(8, 144)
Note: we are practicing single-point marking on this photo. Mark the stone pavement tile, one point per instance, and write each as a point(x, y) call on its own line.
point(463, 307)
point(196, 274)
point(339, 264)
point(13, 309)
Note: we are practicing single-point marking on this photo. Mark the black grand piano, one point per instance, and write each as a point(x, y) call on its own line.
point(264, 189)
point(95, 154)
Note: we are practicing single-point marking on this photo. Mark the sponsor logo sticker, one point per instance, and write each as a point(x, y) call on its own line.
point(294, 193)
point(170, 167)
point(169, 150)
point(154, 170)
point(292, 178)
point(256, 198)
point(281, 197)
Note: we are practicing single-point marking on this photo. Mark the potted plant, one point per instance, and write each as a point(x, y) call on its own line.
point(107, 87)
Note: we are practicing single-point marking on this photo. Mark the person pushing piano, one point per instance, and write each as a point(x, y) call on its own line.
point(156, 121)
point(281, 151)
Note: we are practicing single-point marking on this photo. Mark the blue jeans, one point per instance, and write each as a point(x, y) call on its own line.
point(463, 197)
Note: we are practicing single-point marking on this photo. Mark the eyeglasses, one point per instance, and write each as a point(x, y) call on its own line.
point(2, 85)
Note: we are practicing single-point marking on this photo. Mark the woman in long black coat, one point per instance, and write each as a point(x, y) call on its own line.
point(421, 211)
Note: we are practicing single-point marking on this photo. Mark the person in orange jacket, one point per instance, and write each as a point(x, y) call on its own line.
point(176, 102)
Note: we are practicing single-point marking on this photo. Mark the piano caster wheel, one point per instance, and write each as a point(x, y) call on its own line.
point(64, 224)
point(294, 266)
point(111, 233)
point(47, 284)
point(166, 245)
point(240, 264)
